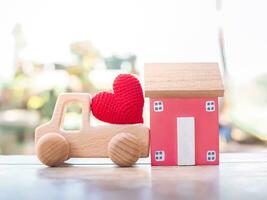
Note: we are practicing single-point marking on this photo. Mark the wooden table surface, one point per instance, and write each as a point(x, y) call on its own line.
point(239, 176)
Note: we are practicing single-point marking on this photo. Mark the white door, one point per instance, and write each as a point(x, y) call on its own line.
point(186, 140)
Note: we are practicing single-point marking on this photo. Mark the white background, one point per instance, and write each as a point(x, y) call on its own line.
point(157, 31)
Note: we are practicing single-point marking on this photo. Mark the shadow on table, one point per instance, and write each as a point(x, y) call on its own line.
point(141, 182)
point(107, 182)
point(186, 182)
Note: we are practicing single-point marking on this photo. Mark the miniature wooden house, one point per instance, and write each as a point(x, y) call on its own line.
point(184, 113)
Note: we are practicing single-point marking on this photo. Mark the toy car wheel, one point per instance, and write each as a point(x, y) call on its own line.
point(124, 149)
point(52, 149)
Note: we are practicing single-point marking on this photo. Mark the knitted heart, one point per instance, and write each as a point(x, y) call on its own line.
point(124, 105)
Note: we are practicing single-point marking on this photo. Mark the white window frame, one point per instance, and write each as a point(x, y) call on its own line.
point(210, 106)
point(158, 106)
point(160, 155)
point(211, 156)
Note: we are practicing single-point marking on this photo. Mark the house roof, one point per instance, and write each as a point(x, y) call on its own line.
point(183, 80)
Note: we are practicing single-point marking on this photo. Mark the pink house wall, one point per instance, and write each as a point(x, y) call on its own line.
point(163, 128)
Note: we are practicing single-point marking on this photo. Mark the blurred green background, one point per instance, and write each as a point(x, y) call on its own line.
point(49, 47)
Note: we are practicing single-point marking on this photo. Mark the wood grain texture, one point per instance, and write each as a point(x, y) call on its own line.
point(183, 80)
point(90, 141)
point(52, 149)
point(239, 176)
point(123, 149)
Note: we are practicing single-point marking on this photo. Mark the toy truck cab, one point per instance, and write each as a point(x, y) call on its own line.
point(124, 144)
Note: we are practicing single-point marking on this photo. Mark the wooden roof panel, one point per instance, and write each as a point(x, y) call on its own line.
point(183, 80)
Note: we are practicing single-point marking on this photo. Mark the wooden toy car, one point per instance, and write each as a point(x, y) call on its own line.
point(124, 144)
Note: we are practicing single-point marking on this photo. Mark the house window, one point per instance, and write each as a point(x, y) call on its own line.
point(211, 156)
point(159, 155)
point(158, 106)
point(210, 106)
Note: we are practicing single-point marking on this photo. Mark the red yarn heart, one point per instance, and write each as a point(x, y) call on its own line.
point(124, 105)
